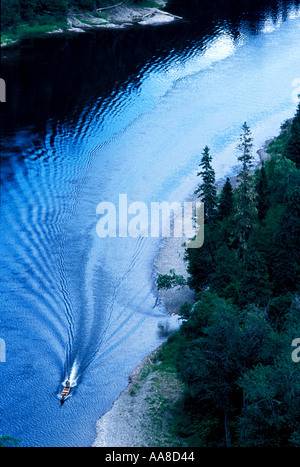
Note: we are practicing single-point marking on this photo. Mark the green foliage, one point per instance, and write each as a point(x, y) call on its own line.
point(245, 214)
point(288, 142)
point(262, 189)
point(233, 350)
point(277, 146)
point(10, 13)
point(255, 284)
point(20, 12)
point(286, 263)
point(186, 310)
point(226, 200)
point(292, 150)
point(283, 178)
point(207, 191)
point(251, 249)
point(200, 264)
point(227, 272)
point(272, 412)
point(168, 281)
point(85, 4)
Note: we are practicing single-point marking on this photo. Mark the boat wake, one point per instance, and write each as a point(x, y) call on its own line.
point(73, 376)
point(68, 383)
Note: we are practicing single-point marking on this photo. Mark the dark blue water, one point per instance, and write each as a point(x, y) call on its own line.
point(89, 118)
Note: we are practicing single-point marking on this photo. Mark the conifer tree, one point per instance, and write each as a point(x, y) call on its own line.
point(207, 191)
point(286, 255)
point(246, 158)
point(262, 190)
point(246, 213)
point(225, 200)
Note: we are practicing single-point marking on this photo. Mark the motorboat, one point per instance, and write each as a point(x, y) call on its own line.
point(65, 392)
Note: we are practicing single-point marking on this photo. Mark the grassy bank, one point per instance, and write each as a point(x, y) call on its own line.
point(26, 30)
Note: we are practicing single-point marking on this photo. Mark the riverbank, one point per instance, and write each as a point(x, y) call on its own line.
point(120, 16)
point(142, 415)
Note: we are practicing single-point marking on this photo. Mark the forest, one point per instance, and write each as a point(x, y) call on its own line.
point(14, 12)
point(233, 352)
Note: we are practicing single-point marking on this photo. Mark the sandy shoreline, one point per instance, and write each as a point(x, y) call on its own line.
point(129, 422)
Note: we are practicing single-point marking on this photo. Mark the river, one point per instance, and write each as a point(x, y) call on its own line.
point(88, 117)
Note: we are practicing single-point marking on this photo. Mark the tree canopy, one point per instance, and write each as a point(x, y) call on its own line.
point(233, 350)
point(15, 11)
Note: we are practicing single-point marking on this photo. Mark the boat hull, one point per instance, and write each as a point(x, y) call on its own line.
point(65, 394)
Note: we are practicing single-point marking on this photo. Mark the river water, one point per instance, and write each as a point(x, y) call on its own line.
point(89, 117)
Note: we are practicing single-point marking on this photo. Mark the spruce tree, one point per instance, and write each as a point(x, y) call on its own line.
point(262, 190)
point(225, 200)
point(246, 212)
point(207, 191)
point(246, 158)
point(286, 253)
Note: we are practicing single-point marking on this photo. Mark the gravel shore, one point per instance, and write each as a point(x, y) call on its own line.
point(141, 415)
point(119, 17)
point(122, 16)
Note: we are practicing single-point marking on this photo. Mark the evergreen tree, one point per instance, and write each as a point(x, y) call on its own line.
point(10, 13)
point(200, 263)
point(292, 150)
point(225, 201)
point(262, 190)
point(200, 260)
point(255, 285)
point(245, 147)
point(207, 191)
point(226, 275)
point(286, 253)
point(246, 212)
point(211, 363)
point(271, 415)
point(233, 350)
